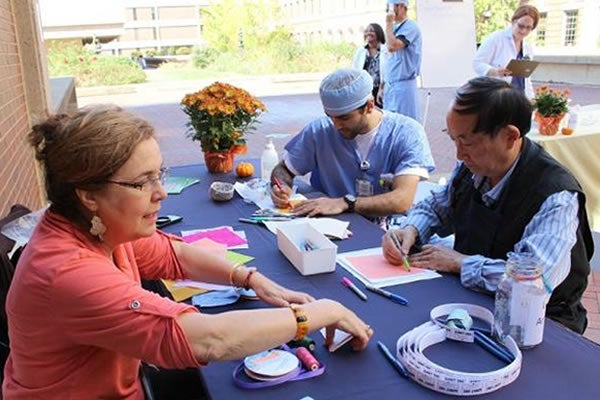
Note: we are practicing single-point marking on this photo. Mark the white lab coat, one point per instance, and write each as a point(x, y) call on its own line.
point(361, 55)
point(496, 51)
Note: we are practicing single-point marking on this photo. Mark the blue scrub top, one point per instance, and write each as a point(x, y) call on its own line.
point(319, 148)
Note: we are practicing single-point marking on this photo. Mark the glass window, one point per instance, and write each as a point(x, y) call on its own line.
point(571, 27)
point(541, 29)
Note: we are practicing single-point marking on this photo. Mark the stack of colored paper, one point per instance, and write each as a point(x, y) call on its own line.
point(371, 267)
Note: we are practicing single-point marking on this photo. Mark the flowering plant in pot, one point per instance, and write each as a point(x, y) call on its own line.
point(220, 114)
point(550, 106)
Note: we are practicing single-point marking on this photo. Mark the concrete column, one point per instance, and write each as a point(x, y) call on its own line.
point(34, 69)
point(33, 58)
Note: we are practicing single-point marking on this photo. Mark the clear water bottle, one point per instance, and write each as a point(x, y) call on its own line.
point(574, 117)
point(521, 298)
point(268, 160)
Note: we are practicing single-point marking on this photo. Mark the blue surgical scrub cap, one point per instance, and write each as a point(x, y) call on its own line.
point(345, 90)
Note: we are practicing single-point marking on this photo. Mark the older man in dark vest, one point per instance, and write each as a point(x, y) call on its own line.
point(507, 194)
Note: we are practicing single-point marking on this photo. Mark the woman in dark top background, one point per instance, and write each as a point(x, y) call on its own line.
point(371, 58)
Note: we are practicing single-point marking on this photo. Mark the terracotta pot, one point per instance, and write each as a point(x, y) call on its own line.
point(218, 162)
point(548, 126)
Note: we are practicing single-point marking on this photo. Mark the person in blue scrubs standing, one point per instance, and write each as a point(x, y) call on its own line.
point(404, 42)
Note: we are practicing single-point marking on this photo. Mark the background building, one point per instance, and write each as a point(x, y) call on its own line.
point(124, 26)
point(335, 21)
point(159, 24)
point(88, 21)
point(568, 27)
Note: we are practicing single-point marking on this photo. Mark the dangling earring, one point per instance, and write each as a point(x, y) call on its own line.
point(98, 227)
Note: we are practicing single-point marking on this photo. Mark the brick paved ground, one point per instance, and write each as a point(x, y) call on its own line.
point(292, 102)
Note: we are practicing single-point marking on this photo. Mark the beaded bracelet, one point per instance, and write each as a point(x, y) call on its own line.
point(247, 280)
point(301, 321)
point(234, 268)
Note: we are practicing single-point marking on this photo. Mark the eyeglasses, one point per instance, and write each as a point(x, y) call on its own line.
point(525, 27)
point(147, 185)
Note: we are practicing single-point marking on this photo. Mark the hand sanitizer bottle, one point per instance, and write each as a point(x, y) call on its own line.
point(268, 161)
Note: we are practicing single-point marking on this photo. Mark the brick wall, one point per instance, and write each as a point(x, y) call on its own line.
point(18, 175)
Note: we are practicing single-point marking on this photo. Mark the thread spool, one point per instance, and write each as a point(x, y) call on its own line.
point(307, 359)
point(459, 318)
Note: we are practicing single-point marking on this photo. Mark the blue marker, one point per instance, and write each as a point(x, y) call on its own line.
point(462, 318)
point(493, 348)
point(392, 360)
point(392, 296)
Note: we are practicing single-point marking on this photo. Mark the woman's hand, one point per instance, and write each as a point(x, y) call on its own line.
point(348, 322)
point(379, 99)
point(406, 237)
point(274, 294)
point(499, 72)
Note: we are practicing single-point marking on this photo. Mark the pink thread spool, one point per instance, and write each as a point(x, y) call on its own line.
point(307, 359)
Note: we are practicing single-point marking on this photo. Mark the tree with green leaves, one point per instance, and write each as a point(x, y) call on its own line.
point(231, 25)
point(491, 15)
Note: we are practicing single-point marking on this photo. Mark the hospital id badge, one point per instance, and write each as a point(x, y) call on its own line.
point(363, 187)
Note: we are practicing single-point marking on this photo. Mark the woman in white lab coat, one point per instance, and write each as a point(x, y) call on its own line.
point(504, 45)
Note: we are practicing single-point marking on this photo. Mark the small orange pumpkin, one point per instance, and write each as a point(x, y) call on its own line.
point(244, 169)
point(566, 131)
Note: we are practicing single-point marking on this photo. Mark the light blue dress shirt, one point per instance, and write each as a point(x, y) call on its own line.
point(550, 235)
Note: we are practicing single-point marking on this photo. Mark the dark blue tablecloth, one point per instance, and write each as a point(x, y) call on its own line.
point(564, 366)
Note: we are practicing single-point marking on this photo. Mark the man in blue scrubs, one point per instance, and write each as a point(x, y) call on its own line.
point(404, 42)
point(349, 150)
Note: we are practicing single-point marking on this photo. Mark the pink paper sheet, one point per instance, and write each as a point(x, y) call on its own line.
point(219, 235)
point(377, 267)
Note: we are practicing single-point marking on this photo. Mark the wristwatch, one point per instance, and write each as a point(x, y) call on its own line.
point(351, 201)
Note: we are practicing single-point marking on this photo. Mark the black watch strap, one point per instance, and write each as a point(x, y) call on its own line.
point(351, 201)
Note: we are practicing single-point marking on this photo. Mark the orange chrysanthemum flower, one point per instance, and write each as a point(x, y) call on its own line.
point(220, 114)
point(550, 101)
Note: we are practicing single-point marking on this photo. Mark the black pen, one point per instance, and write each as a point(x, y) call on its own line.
point(396, 298)
point(392, 360)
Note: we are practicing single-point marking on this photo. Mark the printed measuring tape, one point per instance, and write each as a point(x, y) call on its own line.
point(411, 345)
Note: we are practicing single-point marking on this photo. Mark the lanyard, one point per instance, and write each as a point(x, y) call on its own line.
point(363, 163)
